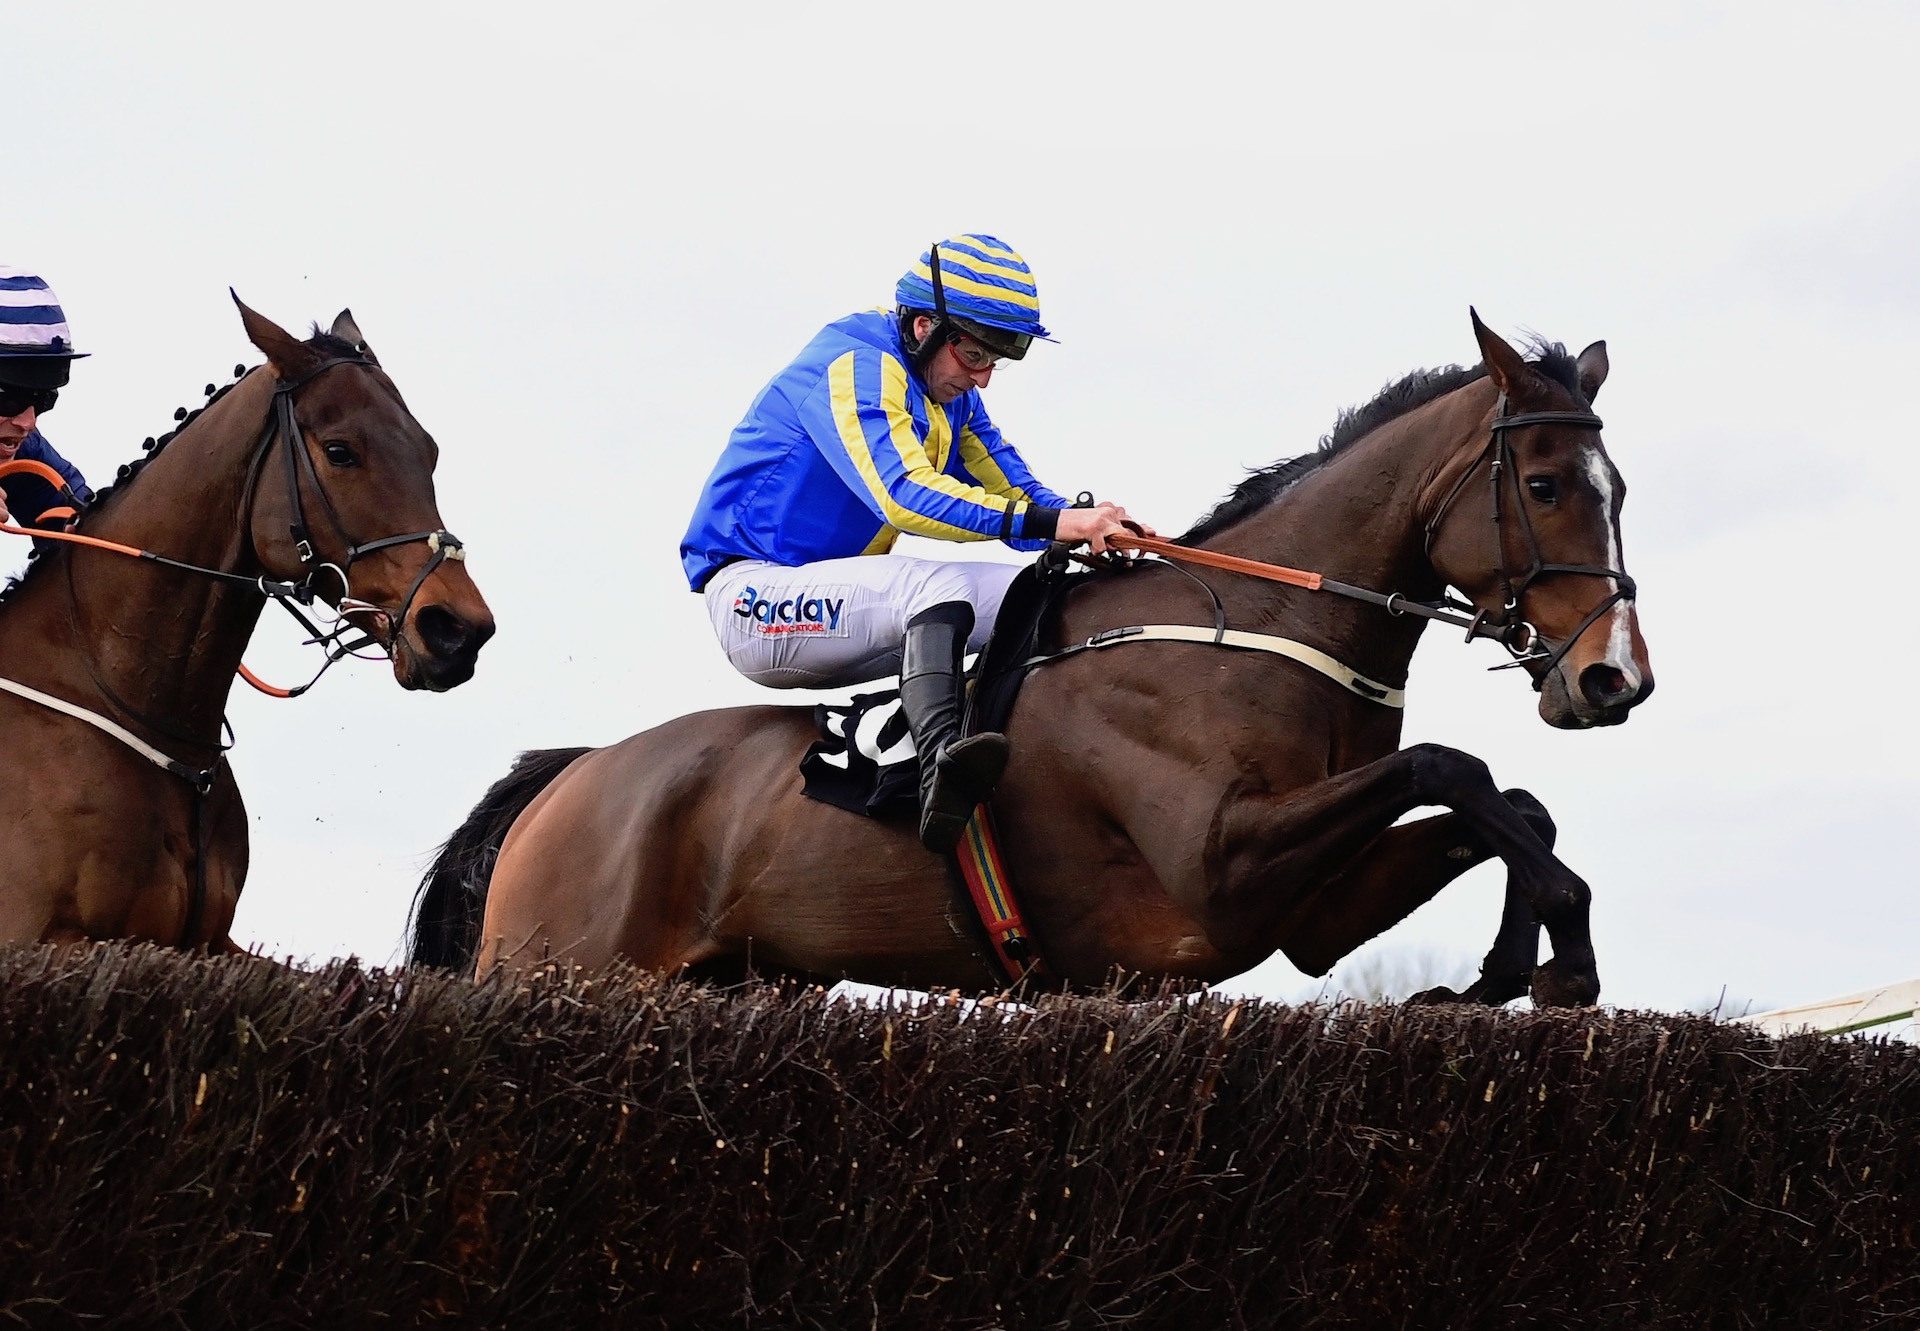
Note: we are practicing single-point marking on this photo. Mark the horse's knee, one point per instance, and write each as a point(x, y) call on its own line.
point(1534, 814)
point(1440, 773)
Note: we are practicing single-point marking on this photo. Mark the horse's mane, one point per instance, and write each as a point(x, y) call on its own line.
point(39, 556)
point(1263, 485)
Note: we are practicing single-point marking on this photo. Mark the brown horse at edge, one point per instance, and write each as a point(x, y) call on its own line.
point(1171, 809)
point(101, 841)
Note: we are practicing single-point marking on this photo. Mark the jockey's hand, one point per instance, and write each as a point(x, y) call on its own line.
point(5, 516)
point(1094, 525)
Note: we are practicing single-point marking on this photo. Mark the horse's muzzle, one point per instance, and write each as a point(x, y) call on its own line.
point(1602, 693)
point(440, 648)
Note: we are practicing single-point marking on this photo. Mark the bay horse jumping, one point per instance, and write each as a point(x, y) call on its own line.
point(1172, 808)
point(309, 481)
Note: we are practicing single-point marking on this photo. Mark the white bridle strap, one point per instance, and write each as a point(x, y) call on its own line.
point(1311, 657)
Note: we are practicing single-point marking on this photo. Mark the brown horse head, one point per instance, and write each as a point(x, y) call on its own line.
point(1530, 531)
point(308, 479)
point(362, 475)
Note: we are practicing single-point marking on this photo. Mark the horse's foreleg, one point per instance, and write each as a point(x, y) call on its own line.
point(1268, 864)
point(1506, 972)
point(1404, 868)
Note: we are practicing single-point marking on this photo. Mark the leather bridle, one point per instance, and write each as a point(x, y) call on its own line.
point(1527, 645)
point(443, 544)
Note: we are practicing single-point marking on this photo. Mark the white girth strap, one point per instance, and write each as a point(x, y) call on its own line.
point(119, 732)
point(1311, 657)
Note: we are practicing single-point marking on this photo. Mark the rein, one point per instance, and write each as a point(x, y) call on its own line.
point(443, 544)
point(281, 423)
point(1393, 602)
point(1525, 643)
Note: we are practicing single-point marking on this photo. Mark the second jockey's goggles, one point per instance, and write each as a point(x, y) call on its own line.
point(14, 400)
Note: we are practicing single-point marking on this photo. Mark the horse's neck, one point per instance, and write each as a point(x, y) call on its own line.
point(1360, 518)
point(165, 642)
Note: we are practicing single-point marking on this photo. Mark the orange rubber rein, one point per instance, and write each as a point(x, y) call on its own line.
point(28, 467)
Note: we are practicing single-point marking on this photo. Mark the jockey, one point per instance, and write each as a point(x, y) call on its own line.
point(36, 352)
point(877, 428)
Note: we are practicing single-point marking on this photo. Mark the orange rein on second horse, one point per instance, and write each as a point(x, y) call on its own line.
point(29, 467)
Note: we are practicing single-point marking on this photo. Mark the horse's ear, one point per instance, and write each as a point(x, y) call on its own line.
point(1593, 369)
point(289, 355)
point(1504, 365)
point(346, 329)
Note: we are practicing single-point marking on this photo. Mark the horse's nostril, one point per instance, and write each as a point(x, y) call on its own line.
point(447, 635)
point(1606, 685)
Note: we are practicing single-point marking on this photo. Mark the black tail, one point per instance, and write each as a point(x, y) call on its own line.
point(453, 895)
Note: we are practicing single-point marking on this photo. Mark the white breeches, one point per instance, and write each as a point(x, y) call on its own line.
point(841, 621)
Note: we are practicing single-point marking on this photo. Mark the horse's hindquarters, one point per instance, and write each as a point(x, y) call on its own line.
point(692, 843)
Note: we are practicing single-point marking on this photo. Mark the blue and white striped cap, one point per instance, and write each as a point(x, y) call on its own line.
point(31, 320)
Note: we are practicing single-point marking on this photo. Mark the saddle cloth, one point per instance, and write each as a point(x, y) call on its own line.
point(863, 759)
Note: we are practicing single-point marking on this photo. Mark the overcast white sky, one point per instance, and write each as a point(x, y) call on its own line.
point(581, 237)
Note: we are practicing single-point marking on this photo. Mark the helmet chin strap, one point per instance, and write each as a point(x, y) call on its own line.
point(923, 353)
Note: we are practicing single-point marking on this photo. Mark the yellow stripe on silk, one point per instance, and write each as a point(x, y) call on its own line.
point(939, 441)
point(1026, 300)
point(882, 541)
point(932, 453)
point(893, 396)
point(980, 464)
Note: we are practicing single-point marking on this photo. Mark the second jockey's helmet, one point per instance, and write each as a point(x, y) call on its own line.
point(980, 285)
point(36, 347)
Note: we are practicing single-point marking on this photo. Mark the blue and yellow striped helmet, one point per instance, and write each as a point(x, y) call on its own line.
point(982, 284)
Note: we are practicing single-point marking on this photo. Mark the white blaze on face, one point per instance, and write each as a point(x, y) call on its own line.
point(1619, 632)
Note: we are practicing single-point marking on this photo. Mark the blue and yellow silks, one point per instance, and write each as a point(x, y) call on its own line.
point(844, 450)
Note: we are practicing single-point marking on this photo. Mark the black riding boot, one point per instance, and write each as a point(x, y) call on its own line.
point(955, 774)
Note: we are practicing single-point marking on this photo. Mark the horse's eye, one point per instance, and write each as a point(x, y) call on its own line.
point(340, 455)
point(1542, 488)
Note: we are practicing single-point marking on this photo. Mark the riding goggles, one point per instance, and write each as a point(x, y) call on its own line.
point(970, 353)
point(1000, 343)
point(15, 400)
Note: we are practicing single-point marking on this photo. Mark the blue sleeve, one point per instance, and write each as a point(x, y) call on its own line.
point(29, 497)
point(37, 447)
point(995, 463)
point(860, 419)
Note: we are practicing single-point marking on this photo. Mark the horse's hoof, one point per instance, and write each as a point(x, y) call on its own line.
point(1438, 994)
point(1556, 984)
point(1498, 990)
